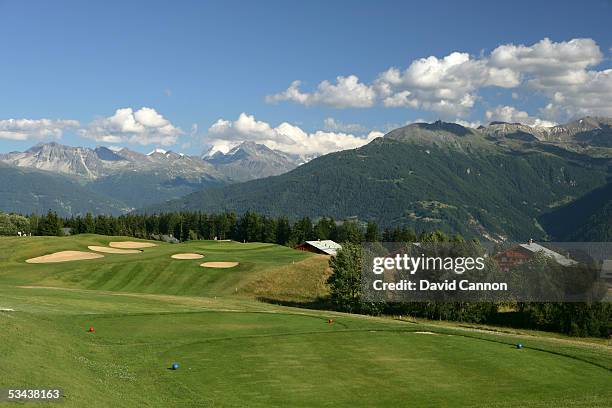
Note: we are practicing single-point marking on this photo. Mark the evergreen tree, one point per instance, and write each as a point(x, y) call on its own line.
point(372, 234)
point(50, 224)
point(250, 227)
point(269, 230)
point(349, 231)
point(283, 231)
point(325, 229)
point(89, 224)
point(301, 231)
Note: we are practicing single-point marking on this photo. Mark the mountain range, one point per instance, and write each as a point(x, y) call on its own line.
point(500, 181)
point(125, 179)
point(494, 182)
point(589, 135)
point(249, 160)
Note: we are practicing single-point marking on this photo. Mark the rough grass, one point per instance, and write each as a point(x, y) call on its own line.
point(234, 351)
point(299, 281)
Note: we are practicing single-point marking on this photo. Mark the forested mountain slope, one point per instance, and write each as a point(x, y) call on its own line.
point(425, 175)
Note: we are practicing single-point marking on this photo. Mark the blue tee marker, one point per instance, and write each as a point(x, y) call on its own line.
point(519, 346)
point(175, 366)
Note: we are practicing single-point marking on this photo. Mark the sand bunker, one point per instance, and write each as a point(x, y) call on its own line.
point(64, 256)
point(131, 244)
point(425, 332)
point(219, 264)
point(187, 256)
point(108, 250)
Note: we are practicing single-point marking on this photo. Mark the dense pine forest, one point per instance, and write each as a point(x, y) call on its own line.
point(185, 226)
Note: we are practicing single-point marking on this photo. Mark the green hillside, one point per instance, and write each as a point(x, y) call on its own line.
point(588, 218)
point(142, 188)
point(458, 182)
point(28, 191)
point(235, 351)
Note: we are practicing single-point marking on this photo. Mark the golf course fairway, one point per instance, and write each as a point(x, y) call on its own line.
point(149, 311)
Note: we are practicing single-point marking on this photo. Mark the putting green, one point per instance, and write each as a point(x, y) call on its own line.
point(109, 250)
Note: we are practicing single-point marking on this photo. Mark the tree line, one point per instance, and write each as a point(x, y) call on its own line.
point(16, 224)
point(185, 226)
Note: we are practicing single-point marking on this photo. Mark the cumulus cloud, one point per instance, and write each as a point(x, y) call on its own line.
point(550, 63)
point(338, 126)
point(561, 72)
point(449, 85)
point(347, 92)
point(593, 96)
point(225, 134)
point(446, 85)
point(512, 115)
point(144, 126)
point(35, 129)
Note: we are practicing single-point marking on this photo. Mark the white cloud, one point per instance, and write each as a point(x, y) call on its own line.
point(144, 126)
point(347, 92)
point(446, 85)
point(401, 99)
point(561, 72)
point(512, 115)
point(593, 96)
point(548, 61)
point(338, 126)
point(469, 124)
point(35, 129)
point(225, 134)
point(449, 85)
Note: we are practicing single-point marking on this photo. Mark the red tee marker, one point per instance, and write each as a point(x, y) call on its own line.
point(91, 329)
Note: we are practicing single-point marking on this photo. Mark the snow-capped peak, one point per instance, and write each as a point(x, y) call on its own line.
point(157, 150)
point(223, 147)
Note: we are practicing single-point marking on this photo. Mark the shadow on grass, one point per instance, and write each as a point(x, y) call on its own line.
point(317, 304)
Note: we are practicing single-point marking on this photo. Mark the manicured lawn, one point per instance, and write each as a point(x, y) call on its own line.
point(235, 351)
point(152, 271)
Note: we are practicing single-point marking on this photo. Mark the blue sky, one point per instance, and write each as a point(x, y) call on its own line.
point(194, 63)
